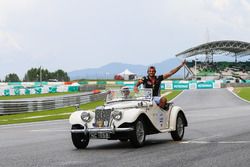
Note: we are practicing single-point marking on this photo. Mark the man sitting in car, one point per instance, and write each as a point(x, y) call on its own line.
point(154, 82)
point(125, 92)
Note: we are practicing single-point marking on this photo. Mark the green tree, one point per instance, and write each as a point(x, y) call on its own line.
point(33, 74)
point(12, 77)
point(60, 75)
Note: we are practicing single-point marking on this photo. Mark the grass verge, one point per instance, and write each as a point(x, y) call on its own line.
point(62, 113)
point(173, 94)
point(243, 92)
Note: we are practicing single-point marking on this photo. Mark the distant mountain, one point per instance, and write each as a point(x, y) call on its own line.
point(108, 71)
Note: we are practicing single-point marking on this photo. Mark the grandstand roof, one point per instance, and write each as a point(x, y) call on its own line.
point(226, 47)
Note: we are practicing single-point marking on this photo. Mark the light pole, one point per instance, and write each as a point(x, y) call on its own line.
point(195, 68)
point(41, 74)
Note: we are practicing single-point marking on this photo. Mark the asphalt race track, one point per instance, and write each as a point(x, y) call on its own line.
point(218, 135)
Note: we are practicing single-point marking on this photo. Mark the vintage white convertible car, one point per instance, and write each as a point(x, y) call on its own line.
point(127, 118)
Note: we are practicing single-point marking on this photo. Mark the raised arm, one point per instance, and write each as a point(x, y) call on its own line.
point(173, 71)
point(139, 82)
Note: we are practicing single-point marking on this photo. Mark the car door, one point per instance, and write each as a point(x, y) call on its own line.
point(160, 117)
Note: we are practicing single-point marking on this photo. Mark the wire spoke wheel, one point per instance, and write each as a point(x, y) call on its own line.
point(178, 134)
point(180, 126)
point(138, 135)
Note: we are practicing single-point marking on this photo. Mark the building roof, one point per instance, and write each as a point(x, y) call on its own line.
point(126, 72)
point(226, 47)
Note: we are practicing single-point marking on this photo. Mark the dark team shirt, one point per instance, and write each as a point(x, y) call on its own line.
point(147, 83)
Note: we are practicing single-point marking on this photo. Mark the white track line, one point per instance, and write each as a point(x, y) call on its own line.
point(215, 142)
point(21, 125)
point(206, 137)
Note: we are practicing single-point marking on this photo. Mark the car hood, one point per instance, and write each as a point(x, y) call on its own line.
point(127, 104)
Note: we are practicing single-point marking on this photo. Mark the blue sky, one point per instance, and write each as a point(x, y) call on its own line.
point(78, 34)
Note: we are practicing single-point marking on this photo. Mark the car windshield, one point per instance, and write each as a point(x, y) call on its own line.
point(120, 95)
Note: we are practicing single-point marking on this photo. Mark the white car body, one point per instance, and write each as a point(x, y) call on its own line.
point(119, 117)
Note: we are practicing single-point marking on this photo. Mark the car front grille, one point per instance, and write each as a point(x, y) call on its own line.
point(102, 117)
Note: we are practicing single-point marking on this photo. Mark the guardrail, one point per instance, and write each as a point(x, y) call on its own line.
point(47, 103)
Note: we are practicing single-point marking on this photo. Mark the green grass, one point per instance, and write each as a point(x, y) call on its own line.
point(35, 95)
point(243, 92)
point(173, 94)
point(164, 91)
point(62, 113)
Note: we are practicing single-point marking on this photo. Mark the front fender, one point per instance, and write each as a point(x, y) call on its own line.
point(173, 116)
point(75, 117)
point(129, 116)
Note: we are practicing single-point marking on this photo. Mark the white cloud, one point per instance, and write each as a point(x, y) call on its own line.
point(15, 5)
point(221, 4)
point(7, 41)
point(245, 4)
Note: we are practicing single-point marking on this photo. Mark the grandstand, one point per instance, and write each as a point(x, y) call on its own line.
point(209, 69)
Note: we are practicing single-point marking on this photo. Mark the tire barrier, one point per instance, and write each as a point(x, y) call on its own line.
point(47, 103)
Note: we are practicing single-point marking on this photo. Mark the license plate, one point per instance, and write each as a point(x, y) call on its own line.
point(100, 135)
point(103, 135)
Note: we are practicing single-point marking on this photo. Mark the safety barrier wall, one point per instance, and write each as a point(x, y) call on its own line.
point(182, 84)
point(25, 88)
point(48, 103)
point(9, 90)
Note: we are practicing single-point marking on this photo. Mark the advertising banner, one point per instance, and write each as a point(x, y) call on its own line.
point(83, 82)
point(14, 83)
point(17, 91)
point(101, 82)
point(6, 92)
point(247, 81)
point(27, 91)
point(119, 82)
point(52, 89)
point(38, 90)
point(168, 84)
point(73, 88)
point(205, 85)
point(180, 85)
point(162, 86)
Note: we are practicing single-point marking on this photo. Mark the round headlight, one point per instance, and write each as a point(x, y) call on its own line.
point(117, 115)
point(85, 116)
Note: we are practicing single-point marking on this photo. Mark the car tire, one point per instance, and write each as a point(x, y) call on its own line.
point(138, 135)
point(178, 134)
point(80, 140)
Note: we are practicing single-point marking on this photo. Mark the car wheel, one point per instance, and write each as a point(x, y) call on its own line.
point(80, 140)
point(138, 135)
point(178, 134)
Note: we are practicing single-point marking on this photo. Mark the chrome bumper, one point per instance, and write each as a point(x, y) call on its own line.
point(104, 130)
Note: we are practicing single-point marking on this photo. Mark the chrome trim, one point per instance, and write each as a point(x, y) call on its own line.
point(109, 130)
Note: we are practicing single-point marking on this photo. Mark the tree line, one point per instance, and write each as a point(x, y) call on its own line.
point(38, 74)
